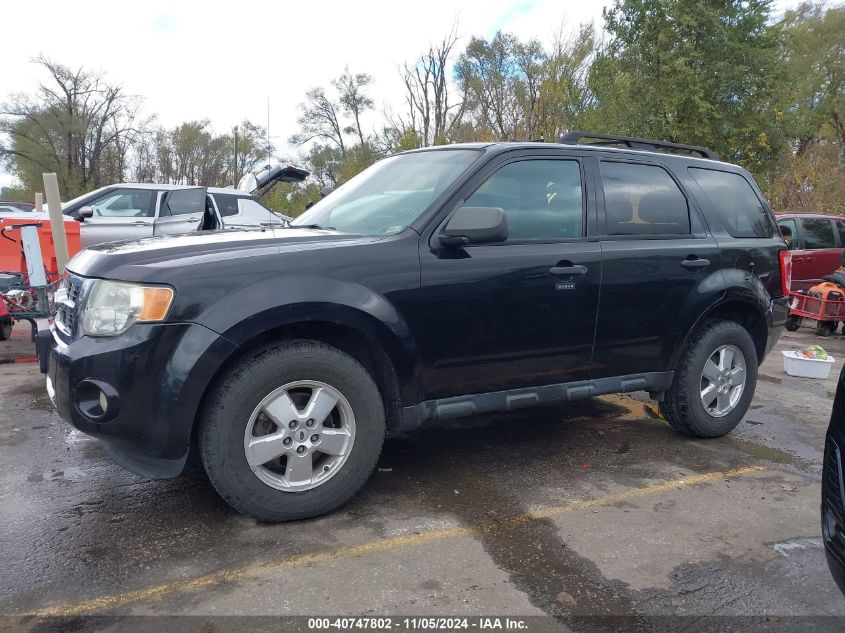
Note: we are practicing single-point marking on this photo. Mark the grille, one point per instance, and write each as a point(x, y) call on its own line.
point(832, 500)
point(68, 309)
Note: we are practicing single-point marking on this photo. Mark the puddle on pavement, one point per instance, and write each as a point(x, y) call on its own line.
point(37, 396)
point(759, 451)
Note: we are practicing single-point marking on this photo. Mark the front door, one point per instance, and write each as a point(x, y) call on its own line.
point(519, 313)
point(119, 214)
point(181, 211)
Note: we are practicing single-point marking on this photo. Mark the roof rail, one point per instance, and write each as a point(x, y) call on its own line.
point(634, 143)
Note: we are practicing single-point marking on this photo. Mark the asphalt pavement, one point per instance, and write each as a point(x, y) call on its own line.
point(595, 515)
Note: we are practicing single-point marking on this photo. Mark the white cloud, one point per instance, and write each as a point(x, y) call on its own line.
point(222, 60)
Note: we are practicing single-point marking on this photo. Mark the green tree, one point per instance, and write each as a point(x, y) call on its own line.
point(693, 71)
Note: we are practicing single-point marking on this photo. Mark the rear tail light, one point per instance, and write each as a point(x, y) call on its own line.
point(785, 271)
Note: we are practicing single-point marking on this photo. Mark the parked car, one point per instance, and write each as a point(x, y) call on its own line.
point(817, 242)
point(439, 283)
point(133, 211)
point(833, 488)
point(15, 205)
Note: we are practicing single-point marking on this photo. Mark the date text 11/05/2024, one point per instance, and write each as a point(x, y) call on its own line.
point(418, 623)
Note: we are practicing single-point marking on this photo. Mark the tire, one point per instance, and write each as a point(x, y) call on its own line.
point(826, 328)
point(236, 400)
point(5, 328)
point(793, 323)
point(682, 405)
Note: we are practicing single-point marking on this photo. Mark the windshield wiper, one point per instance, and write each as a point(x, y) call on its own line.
point(312, 226)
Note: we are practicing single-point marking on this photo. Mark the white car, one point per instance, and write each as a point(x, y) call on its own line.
point(138, 210)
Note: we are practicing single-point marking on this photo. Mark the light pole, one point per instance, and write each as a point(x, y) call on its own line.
point(235, 164)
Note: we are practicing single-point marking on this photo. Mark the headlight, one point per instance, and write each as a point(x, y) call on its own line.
point(113, 306)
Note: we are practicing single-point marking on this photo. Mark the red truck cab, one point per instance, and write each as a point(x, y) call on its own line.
point(816, 243)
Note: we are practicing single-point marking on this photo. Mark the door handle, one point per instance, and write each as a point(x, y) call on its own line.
point(140, 223)
point(192, 220)
point(568, 271)
point(695, 262)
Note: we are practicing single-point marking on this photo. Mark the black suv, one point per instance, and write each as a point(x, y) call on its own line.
point(438, 283)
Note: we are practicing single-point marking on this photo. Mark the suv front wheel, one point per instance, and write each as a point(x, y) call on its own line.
point(714, 381)
point(292, 431)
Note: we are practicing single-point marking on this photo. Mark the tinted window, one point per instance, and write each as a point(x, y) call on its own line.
point(817, 233)
point(642, 200)
point(541, 198)
point(840, 226)
point(124, 203)
point(741, 211)
point(226, 204)
point(184, 202)
point(788, 231)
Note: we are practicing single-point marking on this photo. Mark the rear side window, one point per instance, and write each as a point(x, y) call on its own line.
point(818, 233)
point(184, 202)
point(226, 204)
point(642, 200)
point(741, 211)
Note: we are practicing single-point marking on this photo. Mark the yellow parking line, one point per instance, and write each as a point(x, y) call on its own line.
point(252, 571)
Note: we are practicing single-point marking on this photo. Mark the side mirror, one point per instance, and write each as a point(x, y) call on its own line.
point(83, 213)
point(475, 225)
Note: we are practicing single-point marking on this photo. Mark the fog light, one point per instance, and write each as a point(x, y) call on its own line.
point(96, 400)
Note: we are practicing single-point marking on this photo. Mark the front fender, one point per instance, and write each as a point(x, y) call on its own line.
point(303, 298)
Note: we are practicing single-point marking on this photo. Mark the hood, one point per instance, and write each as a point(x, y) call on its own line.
point(155, 259)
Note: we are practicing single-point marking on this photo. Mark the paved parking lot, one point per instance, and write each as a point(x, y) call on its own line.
point(593, 509)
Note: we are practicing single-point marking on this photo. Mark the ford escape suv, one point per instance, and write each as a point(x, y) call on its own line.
point(439, 283)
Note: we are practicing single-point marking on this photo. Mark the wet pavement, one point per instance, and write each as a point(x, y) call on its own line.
point(594, 510)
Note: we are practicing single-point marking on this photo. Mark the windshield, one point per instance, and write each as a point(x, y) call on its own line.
point(391, 194)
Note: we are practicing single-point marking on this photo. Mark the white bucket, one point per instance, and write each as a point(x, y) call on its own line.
point(796, 365)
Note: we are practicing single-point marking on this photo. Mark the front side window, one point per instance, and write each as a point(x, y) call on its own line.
point(788, 231)
point(124, 203)
point(642, 200)
point(542, 199)
point(385, 198)
point(818, 233)
point(741, 211)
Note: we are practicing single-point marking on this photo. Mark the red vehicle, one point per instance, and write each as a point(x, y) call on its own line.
point(816, 243)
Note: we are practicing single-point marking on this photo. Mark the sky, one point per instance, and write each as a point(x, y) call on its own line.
point(222, 61)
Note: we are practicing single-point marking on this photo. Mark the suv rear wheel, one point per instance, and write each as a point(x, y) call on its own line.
point(292, 431)
point(714, 382)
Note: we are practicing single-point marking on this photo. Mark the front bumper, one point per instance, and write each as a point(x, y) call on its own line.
point(153, 378)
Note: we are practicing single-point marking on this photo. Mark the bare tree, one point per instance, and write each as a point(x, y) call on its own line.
point(72, 125)
point(320, 120)
point(427, 94)
point(353, 101)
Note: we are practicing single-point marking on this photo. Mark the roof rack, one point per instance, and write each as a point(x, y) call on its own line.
point(634, 143)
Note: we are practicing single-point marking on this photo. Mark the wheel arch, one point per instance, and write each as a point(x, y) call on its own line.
point(748, 312)
point(349, 329)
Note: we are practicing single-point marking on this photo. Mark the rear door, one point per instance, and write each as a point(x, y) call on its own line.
point(656, 257)
point(119, 214)
point(181, 211)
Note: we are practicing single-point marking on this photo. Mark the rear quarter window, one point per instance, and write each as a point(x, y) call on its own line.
point(742, 213)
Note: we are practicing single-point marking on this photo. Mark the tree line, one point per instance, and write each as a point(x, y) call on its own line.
point(763, 91)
